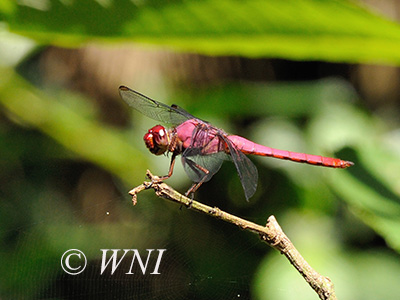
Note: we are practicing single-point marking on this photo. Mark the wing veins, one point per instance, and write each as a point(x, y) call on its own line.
point(154, 109)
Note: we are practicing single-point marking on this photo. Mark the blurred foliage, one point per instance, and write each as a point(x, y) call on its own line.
point(65, 172)
point(70, 126)
point(336, 30)
point(343, 265)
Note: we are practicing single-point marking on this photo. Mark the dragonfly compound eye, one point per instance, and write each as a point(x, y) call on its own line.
point(157, 140)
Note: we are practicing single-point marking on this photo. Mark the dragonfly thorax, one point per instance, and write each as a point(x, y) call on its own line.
point(157, 139)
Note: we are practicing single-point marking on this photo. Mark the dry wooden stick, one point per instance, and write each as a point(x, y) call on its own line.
point(271, 233)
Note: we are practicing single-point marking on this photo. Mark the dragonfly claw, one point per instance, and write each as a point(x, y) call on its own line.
point(190, 195)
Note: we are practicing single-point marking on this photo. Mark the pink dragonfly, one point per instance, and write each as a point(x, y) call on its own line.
point(204, 147)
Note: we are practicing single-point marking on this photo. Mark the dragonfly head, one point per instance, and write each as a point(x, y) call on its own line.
point(157, 140)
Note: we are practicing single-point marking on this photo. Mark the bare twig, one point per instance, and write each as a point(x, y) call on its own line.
point(271, 233)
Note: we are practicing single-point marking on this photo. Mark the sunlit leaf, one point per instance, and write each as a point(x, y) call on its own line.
point(335, 30)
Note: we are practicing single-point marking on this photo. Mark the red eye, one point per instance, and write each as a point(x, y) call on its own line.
point(157, 140)
point(158, 129)
point(148, 140)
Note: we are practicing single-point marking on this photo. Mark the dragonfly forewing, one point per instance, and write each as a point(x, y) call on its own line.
point(153, 109)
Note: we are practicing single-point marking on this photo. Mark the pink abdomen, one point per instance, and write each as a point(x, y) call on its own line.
point(249, 147)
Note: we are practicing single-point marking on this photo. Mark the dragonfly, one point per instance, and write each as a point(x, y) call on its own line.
point(204, 147)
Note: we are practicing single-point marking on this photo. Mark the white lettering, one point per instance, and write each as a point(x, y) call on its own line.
point(113, 258)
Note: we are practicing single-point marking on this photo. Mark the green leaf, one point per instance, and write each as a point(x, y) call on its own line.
point(370, 187)
point(335, 30)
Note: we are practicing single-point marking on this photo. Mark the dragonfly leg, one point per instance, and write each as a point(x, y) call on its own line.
point(171, 167)
point(195, 186)
point(162, 178)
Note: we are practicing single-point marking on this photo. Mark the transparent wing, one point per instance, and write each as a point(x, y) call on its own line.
point(247, 171)
point(153, 109)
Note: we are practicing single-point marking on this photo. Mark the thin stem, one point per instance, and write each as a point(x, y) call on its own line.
point(271, 233)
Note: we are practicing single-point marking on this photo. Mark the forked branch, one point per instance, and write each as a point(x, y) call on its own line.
point(271, 233)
